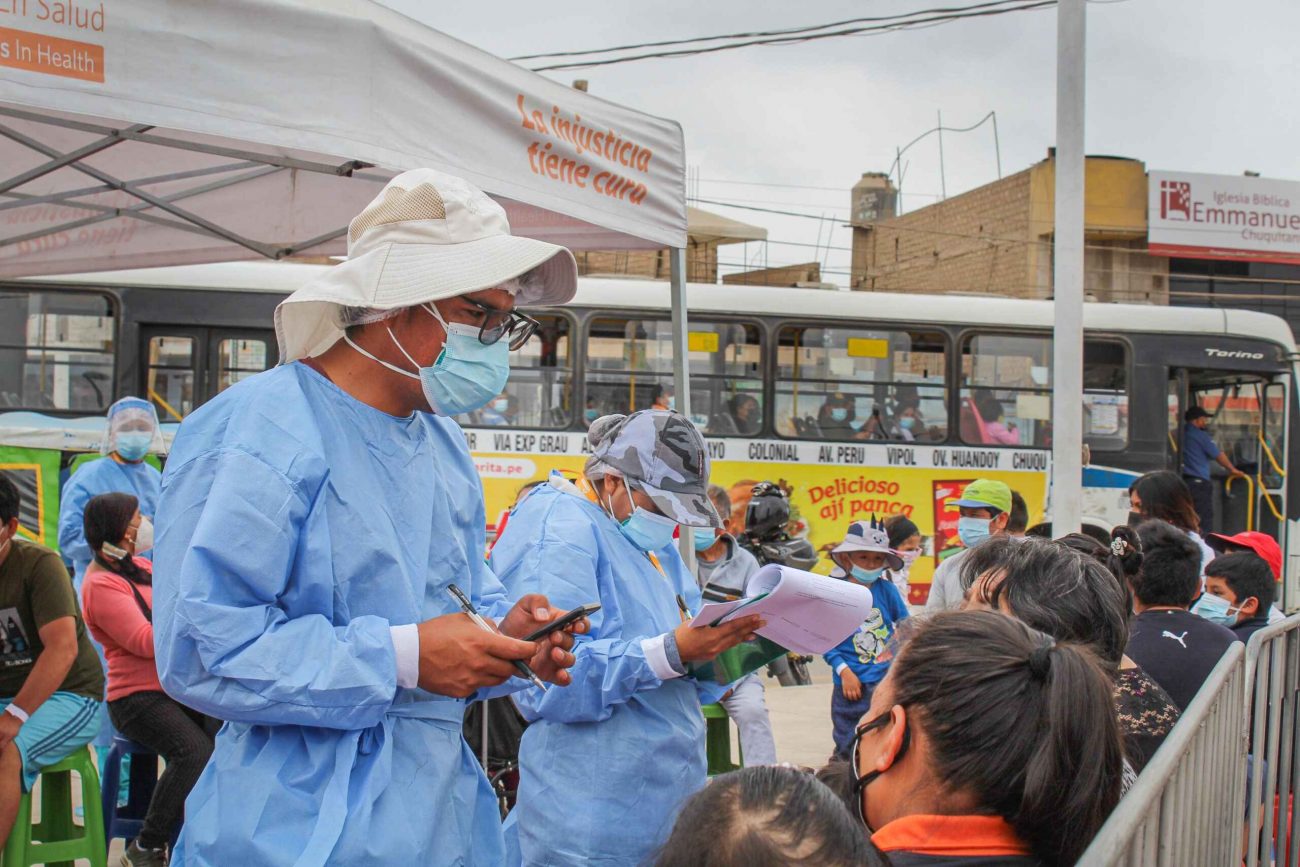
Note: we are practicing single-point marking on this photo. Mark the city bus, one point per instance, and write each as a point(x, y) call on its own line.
point(861, 405)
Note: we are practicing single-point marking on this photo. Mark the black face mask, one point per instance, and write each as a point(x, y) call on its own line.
point(1135, 518)
point(860, 783)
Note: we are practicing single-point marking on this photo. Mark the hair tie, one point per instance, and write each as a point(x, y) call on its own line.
point(1040, 661)
point(1119, 547)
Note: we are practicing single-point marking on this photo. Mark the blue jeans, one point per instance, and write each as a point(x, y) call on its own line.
point(846, 715)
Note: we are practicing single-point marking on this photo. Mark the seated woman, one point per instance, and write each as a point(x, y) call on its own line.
point(1073, 590)
point(117, 598)
point(987, 743)
point(607, 761)
point(769, 816)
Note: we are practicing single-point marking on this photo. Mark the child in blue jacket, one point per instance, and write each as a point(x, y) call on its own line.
point(860, 661)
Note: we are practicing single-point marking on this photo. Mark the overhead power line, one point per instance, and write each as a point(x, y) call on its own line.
point(923, 18)
point(761, 34)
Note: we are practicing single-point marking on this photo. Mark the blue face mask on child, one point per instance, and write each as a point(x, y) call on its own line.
point(1216, 609)
point(866, 576)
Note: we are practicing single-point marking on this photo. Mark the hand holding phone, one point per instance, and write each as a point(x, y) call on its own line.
point(556, 625)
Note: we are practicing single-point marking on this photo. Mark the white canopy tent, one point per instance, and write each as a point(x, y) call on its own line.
point(136, 133)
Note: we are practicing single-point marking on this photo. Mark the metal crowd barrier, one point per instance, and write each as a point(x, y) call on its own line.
point(1273, 670)
point(1187, 806)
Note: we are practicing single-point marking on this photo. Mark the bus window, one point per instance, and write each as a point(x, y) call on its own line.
point(1105, 395)
point(539, 391)
point(1236, 419)
point(630, 363)
point(1006, 396)
point(238, 359)
point(56, 350)
point(858, 383)
point(170, 378)
point(1274, 458)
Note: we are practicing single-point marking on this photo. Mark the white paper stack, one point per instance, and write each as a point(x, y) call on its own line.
point(805, 612)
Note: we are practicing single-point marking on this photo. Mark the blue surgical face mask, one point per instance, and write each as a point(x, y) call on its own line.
point(839, 413)
point(704, 539)
point(972, 531)
point(866, 576)
point(648, 531)
point(672, 403)
point(133, 445)
point(1216, 609)
point(591, 414)
point(466, 375)
point(643, 528)
point(907, 422)
point(501, 404)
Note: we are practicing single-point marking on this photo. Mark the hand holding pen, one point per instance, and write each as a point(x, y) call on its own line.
point(472, 612)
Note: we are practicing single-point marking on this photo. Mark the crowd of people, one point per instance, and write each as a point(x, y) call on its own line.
point(318, 580)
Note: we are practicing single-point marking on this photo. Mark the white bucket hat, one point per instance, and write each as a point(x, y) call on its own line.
point(425, 237)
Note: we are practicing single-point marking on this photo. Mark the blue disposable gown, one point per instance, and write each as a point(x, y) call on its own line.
point(297, 525)
point(103, 476)
point(607, 761)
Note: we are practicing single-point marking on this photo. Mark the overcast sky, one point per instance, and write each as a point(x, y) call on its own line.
point(1196, 85)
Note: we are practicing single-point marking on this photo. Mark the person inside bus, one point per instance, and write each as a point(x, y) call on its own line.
point(987, 743)
point(51, 682)
point(725, 570)
point(1199, 452)
point(744, 417)
point(1239, 590)
point(997, 430)
point(1176, 647)
point(313, 519)
point(663, 398)
point(984, 510)
point(767, 817)
point(606, 763)
point(905, 540)
point(907, 424)
point(837, 416)
point(131, 431)
point(117, 602)
point(1163, 495)
point(498, 413)
point(1071, 589)
point(861, 660)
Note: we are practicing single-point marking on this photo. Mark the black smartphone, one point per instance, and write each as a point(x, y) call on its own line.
point(576, 614)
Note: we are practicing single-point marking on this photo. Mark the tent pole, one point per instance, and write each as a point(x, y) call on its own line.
point(681, 361)
point(1067, 337)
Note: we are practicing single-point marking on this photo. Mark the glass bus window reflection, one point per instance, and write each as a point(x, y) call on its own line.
point(630, 366)
point(56, 351)
point(863, 384)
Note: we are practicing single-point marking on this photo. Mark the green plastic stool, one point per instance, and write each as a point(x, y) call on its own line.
point(56, 840)
point(717, 741)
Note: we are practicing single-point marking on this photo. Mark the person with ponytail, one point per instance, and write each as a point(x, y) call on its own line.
point(117, 598)
point(987, 743)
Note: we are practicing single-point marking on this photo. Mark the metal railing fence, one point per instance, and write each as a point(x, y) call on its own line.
point(1273, 670)
point(1187, 806)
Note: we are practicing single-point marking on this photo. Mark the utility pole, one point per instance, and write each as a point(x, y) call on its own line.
point(1067, 277)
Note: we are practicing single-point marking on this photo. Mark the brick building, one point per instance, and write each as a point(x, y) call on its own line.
point(997, 239)
point(705, 233)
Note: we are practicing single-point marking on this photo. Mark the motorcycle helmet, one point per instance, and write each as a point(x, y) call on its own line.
point(768, 512)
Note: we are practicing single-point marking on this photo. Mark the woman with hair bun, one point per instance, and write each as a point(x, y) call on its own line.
point(987, 743)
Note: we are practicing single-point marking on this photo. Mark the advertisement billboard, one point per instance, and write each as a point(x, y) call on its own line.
point(1223, 217)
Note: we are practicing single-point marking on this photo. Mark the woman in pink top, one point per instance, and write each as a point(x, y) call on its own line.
point(117, 599)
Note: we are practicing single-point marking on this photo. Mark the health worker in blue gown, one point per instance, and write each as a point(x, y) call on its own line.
point(131, 433)
point(608, 761)
point(311, 520)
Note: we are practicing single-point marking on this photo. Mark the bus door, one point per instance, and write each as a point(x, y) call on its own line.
point(1248, 421)
point(185, 366)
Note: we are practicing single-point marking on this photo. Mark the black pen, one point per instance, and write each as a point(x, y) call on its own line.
point(468, 608)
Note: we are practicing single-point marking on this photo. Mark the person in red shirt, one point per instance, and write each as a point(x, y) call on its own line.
point(117, 599)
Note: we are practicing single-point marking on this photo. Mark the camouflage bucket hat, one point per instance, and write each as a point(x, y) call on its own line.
point(661, 454)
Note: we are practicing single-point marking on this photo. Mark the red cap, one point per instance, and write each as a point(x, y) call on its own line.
point(1261, 543)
